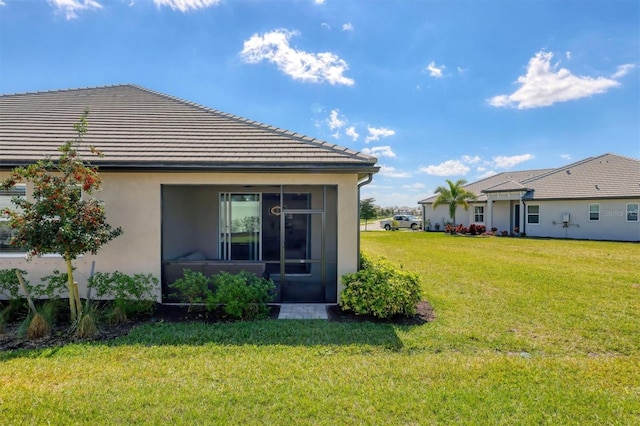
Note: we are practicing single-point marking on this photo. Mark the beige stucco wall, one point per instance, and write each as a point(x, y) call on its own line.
point(133, 202)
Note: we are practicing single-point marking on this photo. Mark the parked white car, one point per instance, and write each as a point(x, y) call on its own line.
point(400, 221)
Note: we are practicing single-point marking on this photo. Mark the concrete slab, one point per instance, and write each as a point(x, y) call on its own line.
point(303, 311)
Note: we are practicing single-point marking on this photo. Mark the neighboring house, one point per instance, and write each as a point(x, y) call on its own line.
point(597, 198)
point(196, 188)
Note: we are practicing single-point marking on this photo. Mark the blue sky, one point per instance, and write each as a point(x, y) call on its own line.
point(435, 89)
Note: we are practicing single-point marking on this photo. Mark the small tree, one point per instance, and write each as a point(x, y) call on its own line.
point(59, 220)
point(454, 195)
point(367, 210)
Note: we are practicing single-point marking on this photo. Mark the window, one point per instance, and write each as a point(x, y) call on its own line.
point(533, 214)
point(6, 232)
point(632, 212)
point(478, 214)
point(594, 212)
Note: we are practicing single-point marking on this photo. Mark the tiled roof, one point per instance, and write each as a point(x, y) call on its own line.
point(605, 176)
point(508, 186)
point(139, 128)
point(493, 181)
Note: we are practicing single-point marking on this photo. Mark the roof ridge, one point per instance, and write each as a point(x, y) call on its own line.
point(561, 169)
point(502, 173)
point(76, 89)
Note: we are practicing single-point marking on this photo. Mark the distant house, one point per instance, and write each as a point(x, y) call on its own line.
point(196, 188)
point(596, 198)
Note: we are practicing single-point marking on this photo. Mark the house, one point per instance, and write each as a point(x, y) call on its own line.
point(196, 188)
point(596, 198)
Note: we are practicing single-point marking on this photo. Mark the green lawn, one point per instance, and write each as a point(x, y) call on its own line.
point(527, 332)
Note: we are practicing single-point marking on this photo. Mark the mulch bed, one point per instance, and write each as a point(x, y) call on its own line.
point(60, 336)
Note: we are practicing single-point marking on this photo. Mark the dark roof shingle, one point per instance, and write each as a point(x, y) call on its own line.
point(139, 128)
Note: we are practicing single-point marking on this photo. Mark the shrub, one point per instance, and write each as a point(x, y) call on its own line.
point(52, 286)
point(461, 229)
point(9, 286)
point(243, 295)
point(472, 229)
point(193, 287)
point(481, 229)
point(86, 326)
point(131, 294)
point(38, 327)
point(381, 290)
point(365, 261)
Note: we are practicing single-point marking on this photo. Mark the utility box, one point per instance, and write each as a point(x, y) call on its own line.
point(565, 219)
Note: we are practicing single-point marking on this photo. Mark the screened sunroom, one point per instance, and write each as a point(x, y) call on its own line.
point(286, 233)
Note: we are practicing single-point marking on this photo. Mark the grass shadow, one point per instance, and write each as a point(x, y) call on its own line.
point(269, 332)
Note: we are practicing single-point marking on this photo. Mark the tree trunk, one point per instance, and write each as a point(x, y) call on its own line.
point(73, 309)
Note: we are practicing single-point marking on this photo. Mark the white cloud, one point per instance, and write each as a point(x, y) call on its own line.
point(377, 133)
point(334, 120)
point(448, 168)
point(504, 162)
point(623, 70)
point(568, 55)
point(471, 160)
point(187, 5)
point(347, 27)
point(544, 84)
point(391, 172)
point(566, 156)
point(379, 151)
point(416, 185)
point(300, 65)
point(351, 132)
point(318, 1)
point(2, 3)
point(435, 71)
point(487, 174)
point(462, 70)
point(70, 7)
point(325, 25)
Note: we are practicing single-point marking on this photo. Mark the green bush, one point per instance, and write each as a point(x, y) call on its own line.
point(16, 305)
point(52, 286)
point(193, 287)
point(380, 289)
point(243, 295)
point(9, 286)
point(131, 294)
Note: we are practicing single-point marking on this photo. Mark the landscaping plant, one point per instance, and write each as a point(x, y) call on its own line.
point(454, 195)
point(58, 219)
point(243, 295)
point(131, 294)
point(193, 287)
point(380, 289)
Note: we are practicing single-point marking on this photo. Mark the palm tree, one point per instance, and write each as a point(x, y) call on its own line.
point(455, 195)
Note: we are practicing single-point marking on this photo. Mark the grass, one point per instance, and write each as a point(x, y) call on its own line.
point(527, 332)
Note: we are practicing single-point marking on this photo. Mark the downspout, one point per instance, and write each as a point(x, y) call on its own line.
point(524, 216)
point(360, 185)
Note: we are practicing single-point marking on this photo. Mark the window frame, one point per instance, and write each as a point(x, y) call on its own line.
point(530, 215)
point(477, 214)
point(597, 212)
point(637, 212)
point(3, 218)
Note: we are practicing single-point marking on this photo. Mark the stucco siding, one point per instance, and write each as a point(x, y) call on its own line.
point(438, 215)
point(133, 201)
point(612, 223)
